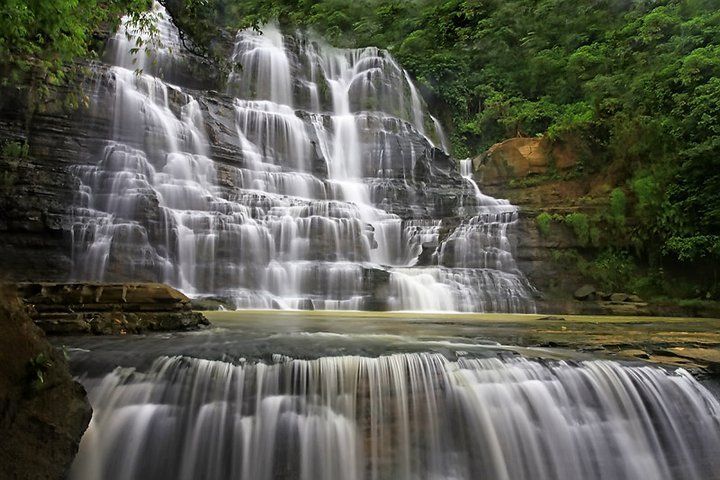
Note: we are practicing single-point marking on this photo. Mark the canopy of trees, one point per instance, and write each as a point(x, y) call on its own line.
point(40, 39)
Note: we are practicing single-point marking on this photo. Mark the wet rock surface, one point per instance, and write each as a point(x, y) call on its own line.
point(691, 343)
point(43, 411)
point(92, 308)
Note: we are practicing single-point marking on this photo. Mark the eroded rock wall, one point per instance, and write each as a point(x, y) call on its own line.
point(538, 176)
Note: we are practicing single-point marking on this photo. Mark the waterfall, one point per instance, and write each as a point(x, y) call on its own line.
point(402, 416)
point(333, 195)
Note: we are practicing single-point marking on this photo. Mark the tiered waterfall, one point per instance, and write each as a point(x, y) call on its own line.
point(317, 181)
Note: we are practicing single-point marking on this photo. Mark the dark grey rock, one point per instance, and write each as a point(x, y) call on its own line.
point(586, 292)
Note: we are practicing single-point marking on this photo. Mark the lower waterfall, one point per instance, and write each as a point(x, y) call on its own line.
point(399, 416)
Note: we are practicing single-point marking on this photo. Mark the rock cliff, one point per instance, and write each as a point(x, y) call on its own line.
point(547, 179)
point(301, 201)
point(519, 169)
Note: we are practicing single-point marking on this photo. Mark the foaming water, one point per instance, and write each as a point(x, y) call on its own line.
point(323, 203)
point(401, 416)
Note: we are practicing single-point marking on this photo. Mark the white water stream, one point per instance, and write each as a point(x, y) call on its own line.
point(403, 416)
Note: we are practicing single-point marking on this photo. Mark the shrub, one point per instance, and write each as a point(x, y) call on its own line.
point(580, 224)
point(613, 270)
point(618, 205)
point(543, 222)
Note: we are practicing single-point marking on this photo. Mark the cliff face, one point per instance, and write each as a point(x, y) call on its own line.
point(547, 180)
point(43, 412)
point(534, 174)
point(39, 187)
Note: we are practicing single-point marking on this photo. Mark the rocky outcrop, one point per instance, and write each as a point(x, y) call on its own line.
point(43, 412)
point(88, 308)
point(543, 178)
point(517, 158)
point(527, 172)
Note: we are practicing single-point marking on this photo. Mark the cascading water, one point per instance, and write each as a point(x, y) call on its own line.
point(327, 202)
point(402, 416)
point(321, 182)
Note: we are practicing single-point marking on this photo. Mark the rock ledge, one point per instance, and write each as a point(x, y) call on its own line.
point(117, 308)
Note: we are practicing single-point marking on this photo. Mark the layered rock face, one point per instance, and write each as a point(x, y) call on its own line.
point(518, 158)
point(43, 412)
point(67, 308)
point(317, 181)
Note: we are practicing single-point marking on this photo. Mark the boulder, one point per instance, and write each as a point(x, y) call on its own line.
point(624, 309)
point(586, 292)
point(619, 297)
point(212, 303)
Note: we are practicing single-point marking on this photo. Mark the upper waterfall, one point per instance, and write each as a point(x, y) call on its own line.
point(319, 181)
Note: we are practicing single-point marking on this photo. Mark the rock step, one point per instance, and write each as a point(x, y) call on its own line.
point(108, 309)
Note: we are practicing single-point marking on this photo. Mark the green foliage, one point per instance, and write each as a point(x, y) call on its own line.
point(580, 224)
point(37, 367)
point(649, 195)
point(618, 205)
point(616, 219)
point(694, 248)
point(14, 149)
point(612, 270)
point(543, 222)
point(40, 39)
point(12, 153)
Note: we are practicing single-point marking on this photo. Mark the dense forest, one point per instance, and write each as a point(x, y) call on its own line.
point(636, 83)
